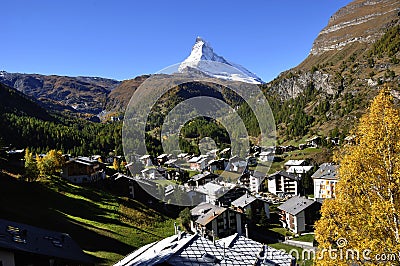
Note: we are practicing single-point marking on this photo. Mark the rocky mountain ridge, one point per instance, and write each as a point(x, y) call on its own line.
point(85, 95)
point(342, 56)
point(360, 21)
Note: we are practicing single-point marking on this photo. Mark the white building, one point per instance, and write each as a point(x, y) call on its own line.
point(285, 183)
point(291, 163)
point(256, 182)
point(299, 214)
point(212, 191)
point(325, 180)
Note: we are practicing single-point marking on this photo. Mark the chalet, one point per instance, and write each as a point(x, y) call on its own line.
point(196, 197)
point(225, 153)
point(236, 164)
point(109, 159)
point(248, 202)
point(291, 163)
point(284, 183)
point(212, 191)
point(169, 190)
point(298, 214)
point(161, 159)
point(255, 149)
point(202, 179)
point(314, 141)
point(288, 148)
point(183, 157)
point(151, 173)
point(325, 180)
point(350, 139)
point(210, 219)
point(334, 141)
point(266, 156)
point(83, 170)
point(302, 146)
point(212, 153)
point(212, 165)
point(22, 244)
point(15, 157)
point(146, 160)
point(171, 163)
point(198, 163)
point(300, 171)
point(251, 160)
point(187, 249)
point(232, 194)
point(123, 185)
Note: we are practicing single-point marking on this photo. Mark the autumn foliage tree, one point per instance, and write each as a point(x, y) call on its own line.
point(50, 163)
point(364, 216)
point(31, 170)
point(116, 164)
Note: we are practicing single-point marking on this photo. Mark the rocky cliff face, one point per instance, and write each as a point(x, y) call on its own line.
point(341, 54)
point(294, 83)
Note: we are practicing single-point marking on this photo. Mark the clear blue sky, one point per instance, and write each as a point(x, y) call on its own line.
point(124, 38)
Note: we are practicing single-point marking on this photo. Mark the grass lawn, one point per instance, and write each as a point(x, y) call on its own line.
point(280, 230)
point(105, 226)
point(305, 238)
point(291, 250)
point(165, 182)
point(301, 154)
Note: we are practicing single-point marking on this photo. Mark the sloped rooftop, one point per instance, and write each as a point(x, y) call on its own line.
point(326, 171)
point(243, 201)
point(295, 205)
point(25, 238)
point(206, 212)
point(196, 250)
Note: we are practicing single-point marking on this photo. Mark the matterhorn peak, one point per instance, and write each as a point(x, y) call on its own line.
point(199, 39)
point(203, 58)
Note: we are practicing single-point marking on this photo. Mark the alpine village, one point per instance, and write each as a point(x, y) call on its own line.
point(329, 184)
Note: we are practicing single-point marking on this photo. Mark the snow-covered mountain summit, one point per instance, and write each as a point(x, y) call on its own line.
point(204, 59)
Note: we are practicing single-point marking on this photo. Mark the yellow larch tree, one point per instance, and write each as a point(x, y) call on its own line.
point(365, 215)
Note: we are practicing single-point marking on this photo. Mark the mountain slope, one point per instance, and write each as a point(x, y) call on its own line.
point(118, 98)
point(356, 54)
point(361, 21)
point(74, 94)
point(13, 101)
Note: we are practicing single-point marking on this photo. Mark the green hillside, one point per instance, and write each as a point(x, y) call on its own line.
point(105, 226)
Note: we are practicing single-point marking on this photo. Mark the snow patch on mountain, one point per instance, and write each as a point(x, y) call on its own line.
point(204, 59)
